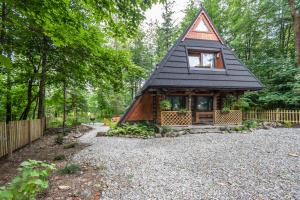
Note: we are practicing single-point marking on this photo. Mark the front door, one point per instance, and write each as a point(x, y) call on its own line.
point(203, 109)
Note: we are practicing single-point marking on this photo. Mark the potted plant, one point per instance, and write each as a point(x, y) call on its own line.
point(165, 105)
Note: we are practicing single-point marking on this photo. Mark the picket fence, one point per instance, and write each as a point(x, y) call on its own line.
point(292, 116)
point(17, 134)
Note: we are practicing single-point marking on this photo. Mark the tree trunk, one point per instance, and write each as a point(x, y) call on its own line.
point(26, 111)
point(8, 97)
point(65, 106)
point(41, 105)
point(296, 18)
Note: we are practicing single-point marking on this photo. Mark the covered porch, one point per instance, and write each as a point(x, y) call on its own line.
point(194, 107)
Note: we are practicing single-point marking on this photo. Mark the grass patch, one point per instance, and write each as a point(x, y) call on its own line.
point(59, 157)
point(70, 169)
point(70, 145)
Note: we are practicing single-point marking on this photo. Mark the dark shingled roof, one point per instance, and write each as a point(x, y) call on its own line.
point(174, 70)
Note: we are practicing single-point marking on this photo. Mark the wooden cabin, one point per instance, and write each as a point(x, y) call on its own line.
point(196, 75)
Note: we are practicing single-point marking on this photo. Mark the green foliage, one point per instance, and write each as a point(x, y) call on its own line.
point(70, 169)
point(183, 111)
point(138, 129)
point(225, 110)
point(165, 105)
point(59, 157)
point(248, 124)
point(59, 139)
point(70, 145)
point(31, 181)
point(165, 129)
point(287, 124)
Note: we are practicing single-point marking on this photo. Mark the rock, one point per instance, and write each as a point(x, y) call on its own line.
point(293, 154)
point(99, 134)
point(158, 135)
point(64, 187)
point(78, 135)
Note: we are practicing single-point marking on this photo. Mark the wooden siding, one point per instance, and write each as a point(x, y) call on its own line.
point(193, 34)
point(142, 109)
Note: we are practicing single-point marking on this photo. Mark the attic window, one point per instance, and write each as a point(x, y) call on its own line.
point(202, 27)
point(201, 59)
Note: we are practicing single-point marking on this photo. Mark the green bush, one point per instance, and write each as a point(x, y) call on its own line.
point(247, 124)
point(165, 105)
point(225, 110)
point(59, 157)
point(137, 129)
point(70, 145)
point(165, 129)
point(59, 139)
point(287, 124)
point(31, 181)
point(70, 169)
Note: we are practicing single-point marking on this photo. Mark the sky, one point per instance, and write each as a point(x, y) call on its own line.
point(156, 11)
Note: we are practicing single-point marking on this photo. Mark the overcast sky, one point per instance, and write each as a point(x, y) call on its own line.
point(156, 11)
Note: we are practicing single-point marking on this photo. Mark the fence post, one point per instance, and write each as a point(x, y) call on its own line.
point(9, 145)
point(29, 132)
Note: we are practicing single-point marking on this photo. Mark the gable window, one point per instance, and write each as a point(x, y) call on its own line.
point(201, 59)
point(202, 27)
point(177, 102)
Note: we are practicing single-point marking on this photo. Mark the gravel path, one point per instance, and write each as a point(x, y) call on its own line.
point(260, 165)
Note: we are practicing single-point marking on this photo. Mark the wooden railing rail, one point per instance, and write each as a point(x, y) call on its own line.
point(277, 115)
point(176, 118)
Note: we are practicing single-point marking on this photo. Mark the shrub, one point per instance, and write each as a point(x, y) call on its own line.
point(249, 124)
point(287, 124)
point(110, 123)
point(165, 105)
point(70, 169)
point(138, 129)
point(225, 110)
point(183, 111)
point(70, 145)
point(59, 139)
point(165, 129)
point(59, 157)
point(31, 181)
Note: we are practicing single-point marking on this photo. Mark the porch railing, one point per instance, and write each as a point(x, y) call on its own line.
point(232, 117)
point(176, 118)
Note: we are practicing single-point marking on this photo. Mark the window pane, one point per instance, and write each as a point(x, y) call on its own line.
point(208, 60)
point(194, 61)
point(202, 27)
point(178, 102)
point(204, 103)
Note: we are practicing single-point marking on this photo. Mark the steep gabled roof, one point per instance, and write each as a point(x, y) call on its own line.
point(174, 70)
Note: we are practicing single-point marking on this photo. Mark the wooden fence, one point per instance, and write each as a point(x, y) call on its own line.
point(17, 134)
point(292, 116)
point(232, 117)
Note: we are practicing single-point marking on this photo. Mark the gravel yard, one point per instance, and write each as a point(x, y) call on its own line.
point(260, 165)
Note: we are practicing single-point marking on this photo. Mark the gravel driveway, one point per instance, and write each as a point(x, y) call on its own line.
point(260, 165)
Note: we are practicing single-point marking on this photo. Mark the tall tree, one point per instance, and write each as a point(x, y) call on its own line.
point(295, 10)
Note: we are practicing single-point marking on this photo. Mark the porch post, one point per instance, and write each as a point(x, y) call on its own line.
point(190, 103)
point(215, 106)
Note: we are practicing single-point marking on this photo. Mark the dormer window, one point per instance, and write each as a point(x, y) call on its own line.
point(201, 59)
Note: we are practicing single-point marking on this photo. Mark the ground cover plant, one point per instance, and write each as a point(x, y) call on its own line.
point(138, 129)
point(70, 169)
point(32, 180)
